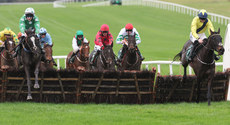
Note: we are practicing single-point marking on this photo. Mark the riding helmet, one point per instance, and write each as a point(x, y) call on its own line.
point(104, 27)
point(7, 31)
point(42, 31)
point(129, 26)
point(202, 14)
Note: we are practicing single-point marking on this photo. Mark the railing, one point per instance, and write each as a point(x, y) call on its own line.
point(168, 6)
point(145, 63)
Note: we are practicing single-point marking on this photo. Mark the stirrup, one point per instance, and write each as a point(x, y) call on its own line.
point(142, 58)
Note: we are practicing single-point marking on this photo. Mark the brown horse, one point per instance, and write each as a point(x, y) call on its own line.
point(7, 62)
point(105, 59)
point(81, 61)
point(203, 63)
point(49, 57)
point(131, 60)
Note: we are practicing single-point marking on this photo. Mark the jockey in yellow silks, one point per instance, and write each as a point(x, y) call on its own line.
point(199, 25)
point(7, 32)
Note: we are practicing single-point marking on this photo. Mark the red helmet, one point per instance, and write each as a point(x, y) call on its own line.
point(105, 27)
point(129, 26)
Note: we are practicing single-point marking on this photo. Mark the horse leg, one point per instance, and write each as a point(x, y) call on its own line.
point(209, 90)
point(185, 74)
point(198, 90)
point(29, 97)
point(36, 85)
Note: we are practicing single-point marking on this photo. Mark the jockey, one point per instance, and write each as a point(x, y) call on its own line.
point(28, 20)
point(128, 30)
point(198, 27)
point(7, 32)
point(45, 38)
point(103, 37)
point(76, 44)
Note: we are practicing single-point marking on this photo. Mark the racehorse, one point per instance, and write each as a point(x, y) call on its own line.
point(49, 57)
point(105, 59)
point(131, 60)
point(7, 62)
point(31, 58)
point(203, 63)
point(81, 61)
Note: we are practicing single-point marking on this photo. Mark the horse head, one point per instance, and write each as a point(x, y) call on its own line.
point(9, 43)
point(215, 40)
point(84, 51)
point(107, 55)
point(32, 43)
point(48, 52)
point(131, 43)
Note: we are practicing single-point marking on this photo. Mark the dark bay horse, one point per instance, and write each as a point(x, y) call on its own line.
point(203, 63)
point(131, 60)
point(7, 62)
point(81, 61)
point(49, 57)
point(105, 59)
point(31, 58)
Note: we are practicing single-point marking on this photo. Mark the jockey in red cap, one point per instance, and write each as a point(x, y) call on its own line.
point(103, 37)
point(124, 35)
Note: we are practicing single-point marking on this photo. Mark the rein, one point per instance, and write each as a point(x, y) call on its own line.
point(198, 56)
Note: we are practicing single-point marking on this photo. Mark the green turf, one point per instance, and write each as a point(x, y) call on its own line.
point(162, 32)
point(114, 114)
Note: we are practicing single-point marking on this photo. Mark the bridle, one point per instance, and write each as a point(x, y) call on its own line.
point(26, 44)
point(210, 49)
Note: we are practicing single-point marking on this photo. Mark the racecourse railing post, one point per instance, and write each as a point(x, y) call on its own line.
point(137, 88)
point(61, 85)
point(42, 84)
point(20, 88)
point(78, 88)
point(97, 87)
point(4, 80)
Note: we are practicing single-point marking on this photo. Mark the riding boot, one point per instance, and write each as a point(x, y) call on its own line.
point(43, 55)
point(17, 51)
point(216, 57)
point(72, 58)
point(139, 53)
point(92, 60)
point(55, 64)
point(121, 54)
point(18, 48)
point(1, 48)
point(193, 51)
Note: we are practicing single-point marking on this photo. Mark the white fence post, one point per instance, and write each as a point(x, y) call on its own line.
point(226, 57)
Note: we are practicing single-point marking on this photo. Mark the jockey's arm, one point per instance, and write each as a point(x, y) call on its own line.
point(49, 40)
point(194, 27)
point(85, 40)
point(36, 24)
point(137, 37)
point(22, 25)
point(74, 45)
point(15, 37)
point(210, 26)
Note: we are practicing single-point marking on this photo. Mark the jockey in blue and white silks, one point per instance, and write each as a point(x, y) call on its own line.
point(44, 37)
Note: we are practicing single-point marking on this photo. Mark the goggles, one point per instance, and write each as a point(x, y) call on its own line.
point(29, 15)
point(42, 34)
point(104, 31)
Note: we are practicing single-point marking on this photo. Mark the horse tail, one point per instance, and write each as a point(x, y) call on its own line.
point(178, 56)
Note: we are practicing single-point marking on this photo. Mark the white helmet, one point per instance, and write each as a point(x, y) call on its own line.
point(42, 31)
point(29, 10)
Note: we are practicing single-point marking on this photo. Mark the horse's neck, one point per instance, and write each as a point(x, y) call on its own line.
point(206, 53)
point(131, 57)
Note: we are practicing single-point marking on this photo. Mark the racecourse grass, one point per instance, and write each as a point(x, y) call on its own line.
point(115, 114)
point(162, 32)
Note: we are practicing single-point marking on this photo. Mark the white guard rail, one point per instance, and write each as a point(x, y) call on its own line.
point(146, 63)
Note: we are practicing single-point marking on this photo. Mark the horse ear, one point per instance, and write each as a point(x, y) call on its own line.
point(218, 31)
point(88, 41)
point(211, 32)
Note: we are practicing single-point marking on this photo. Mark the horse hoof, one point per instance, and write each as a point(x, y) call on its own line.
point(36, 86)
point(29, 97)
